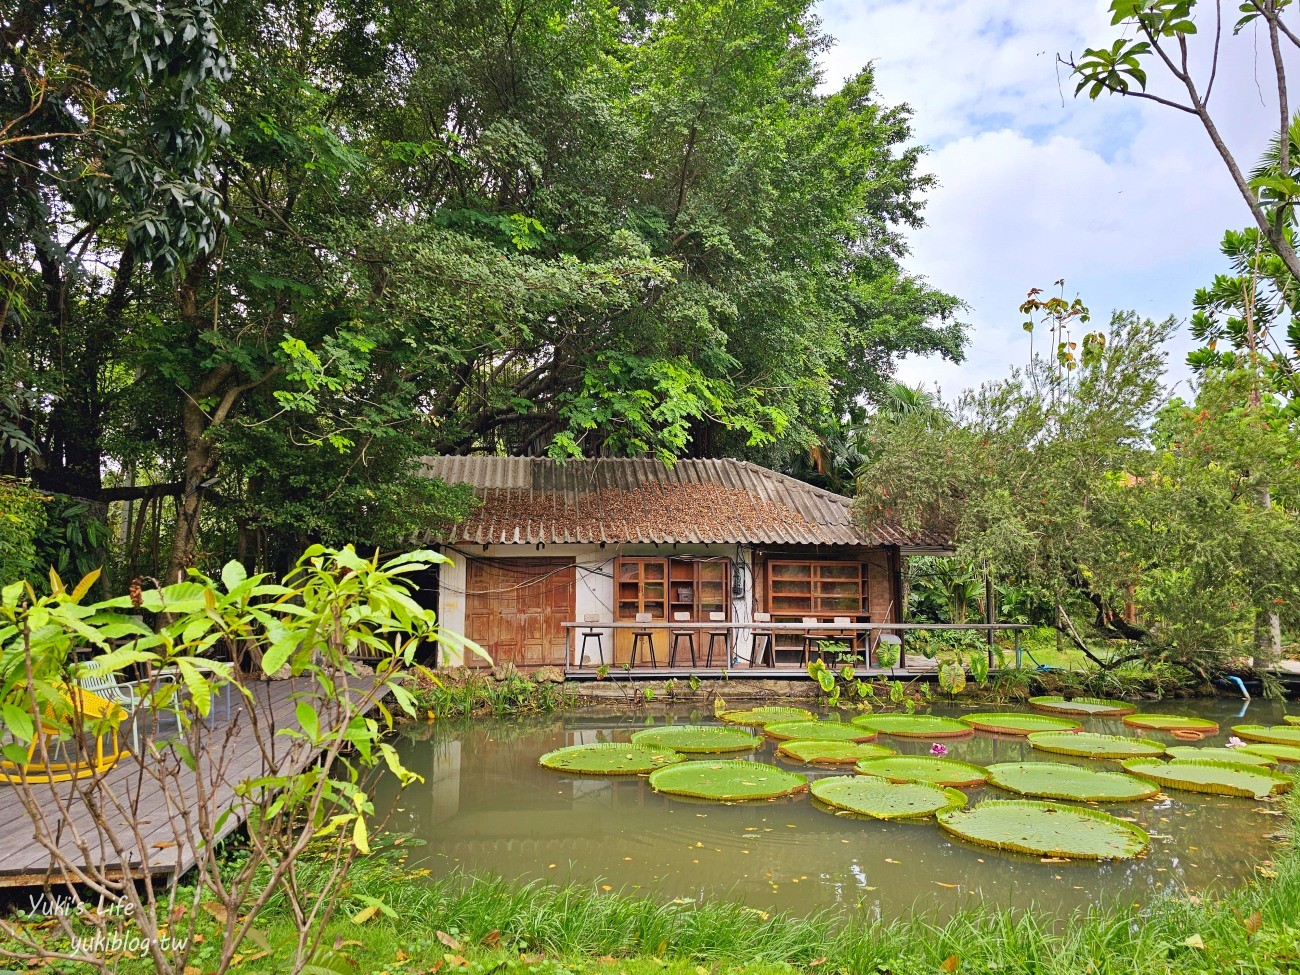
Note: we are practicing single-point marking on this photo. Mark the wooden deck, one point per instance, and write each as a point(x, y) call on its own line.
point(24, 862)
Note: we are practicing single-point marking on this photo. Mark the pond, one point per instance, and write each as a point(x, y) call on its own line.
point(486, 807)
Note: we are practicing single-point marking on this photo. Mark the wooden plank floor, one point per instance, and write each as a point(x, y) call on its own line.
point(24, 862)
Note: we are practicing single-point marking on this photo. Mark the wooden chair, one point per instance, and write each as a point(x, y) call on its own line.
point(647, 635)
point(846, 636)
point(715, 635)
point(682, 617)
point(132, 697)
point(764, 647)
point(813, 636)
point(592, 634)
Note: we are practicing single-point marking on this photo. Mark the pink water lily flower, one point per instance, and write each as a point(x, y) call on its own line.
point(939, 750)
point(1235, 742)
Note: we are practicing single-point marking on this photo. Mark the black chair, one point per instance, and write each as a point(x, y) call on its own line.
point(648, 636)
point(689, 635)
point(764, 643)
point(716, 635)
point(592, 634)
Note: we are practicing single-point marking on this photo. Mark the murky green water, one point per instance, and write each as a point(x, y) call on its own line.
point(486, 807)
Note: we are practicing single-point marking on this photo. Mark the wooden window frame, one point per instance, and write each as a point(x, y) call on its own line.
point(680, 573)
point(816, 578)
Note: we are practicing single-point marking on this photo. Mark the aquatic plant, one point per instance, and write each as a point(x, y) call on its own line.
point(938, 750)
point(1057, 704)
point(1217, 778)
point(914, 725)
point(698, 738)
point(1238, 755)
point(823, 752)
point(758, 717)
point(922, 768)
point(1015, 723)
point(609, 758)
point(727, 781)
point(1046, 829)
point(1091, 745)
point(818, 731)
point(881, 799)
point(1056, 780)
point(1278, 734)
point(1283, 753)
point(1172, 723)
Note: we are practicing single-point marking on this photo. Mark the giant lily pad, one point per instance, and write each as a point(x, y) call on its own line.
point(880, 799)
point(1238, 756)
point(1095, 706)
point(1055, 780)
point(832, 752)
point(698, 738)
point(923, 768)
point(726, 781)
point(759, 717)
point(818, 731)
point(1291, 718)
point(1173, 723)
point(1046, 829)
point(1015, 723)
point(1283, 753)
point(609, 758)
point(914, 725)
point(1278, 734)
point(1218, 778)
point(1086, 744)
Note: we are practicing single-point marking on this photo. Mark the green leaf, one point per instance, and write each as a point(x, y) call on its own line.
point(232, 574)
point(18, 723)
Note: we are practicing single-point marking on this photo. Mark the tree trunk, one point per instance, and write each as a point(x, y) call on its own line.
point(198, 466)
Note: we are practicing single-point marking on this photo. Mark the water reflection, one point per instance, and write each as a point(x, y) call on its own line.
point(486, 806)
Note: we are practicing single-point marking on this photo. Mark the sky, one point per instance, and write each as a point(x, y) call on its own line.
point(1126, 200)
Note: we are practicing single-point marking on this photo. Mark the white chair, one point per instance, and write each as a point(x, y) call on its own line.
point(128, 696)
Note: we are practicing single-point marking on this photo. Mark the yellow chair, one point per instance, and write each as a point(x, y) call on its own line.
point(97, 717)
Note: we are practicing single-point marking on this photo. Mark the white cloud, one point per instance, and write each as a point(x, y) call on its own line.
point(1124, 199)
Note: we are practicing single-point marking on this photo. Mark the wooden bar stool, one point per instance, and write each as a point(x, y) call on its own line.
point(764, 647)
point(715, 635)
point(846, 636)
point(810, 637)
point(682, 617)
point(592, 634)
point(649, 637)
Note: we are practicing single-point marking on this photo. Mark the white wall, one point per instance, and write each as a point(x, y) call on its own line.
point(594, 588)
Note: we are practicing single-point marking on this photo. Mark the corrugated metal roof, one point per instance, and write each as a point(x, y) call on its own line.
point(527, 500)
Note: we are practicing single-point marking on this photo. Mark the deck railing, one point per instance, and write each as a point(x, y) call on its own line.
point(860, 639)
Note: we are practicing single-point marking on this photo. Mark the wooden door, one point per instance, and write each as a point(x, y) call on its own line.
point(514, 609)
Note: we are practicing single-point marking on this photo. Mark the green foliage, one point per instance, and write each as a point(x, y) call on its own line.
point(457, 696)
point(698, 738)
point(333, 606)
point(22, 523)
point(923, 768)
point(1089, 492)
point(1204, 775)
point(570, 229)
